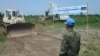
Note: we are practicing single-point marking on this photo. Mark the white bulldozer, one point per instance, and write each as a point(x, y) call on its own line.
point(14, 24)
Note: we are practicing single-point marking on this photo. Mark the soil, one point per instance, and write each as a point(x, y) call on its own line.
point(46, 43)
point(33, 45)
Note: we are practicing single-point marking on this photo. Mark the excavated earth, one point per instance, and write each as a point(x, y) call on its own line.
point(33, 45)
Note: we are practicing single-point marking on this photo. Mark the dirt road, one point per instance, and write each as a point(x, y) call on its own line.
point(36, 45)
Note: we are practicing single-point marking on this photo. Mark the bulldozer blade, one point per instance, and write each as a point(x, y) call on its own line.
point(20, 29)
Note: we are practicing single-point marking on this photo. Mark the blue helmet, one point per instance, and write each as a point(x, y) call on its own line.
point(69, 21)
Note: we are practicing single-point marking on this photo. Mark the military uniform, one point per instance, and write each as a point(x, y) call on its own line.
point(70, 45)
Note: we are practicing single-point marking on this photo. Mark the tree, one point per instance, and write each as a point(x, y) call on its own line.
point(1, 16)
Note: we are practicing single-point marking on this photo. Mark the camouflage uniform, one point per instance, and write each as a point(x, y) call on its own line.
point(70, 45)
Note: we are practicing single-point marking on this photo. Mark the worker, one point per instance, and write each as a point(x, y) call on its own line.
point(70, 45)
point(47, 12)
point(42, 20)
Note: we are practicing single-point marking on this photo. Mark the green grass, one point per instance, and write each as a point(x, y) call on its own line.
point(92, 50)
point(81, 21)
point(91, 47)
point(2, 38)
point(32, 19)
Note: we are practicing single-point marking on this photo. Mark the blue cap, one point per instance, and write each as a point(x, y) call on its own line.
point(69, 21)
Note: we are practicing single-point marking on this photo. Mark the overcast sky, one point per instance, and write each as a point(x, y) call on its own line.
point(36, 7)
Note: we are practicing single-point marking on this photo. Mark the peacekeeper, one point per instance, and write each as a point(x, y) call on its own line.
point(70, 45)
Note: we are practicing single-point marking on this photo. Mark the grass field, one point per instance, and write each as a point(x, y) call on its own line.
point(2, 37)
point(81, 21)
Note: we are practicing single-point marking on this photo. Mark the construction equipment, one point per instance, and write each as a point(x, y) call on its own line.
point(14, 24)
point(51, 7)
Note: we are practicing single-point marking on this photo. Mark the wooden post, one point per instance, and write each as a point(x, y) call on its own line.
point(87, 19)
point(53, 21)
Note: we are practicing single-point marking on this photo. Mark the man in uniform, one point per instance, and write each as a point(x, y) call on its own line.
point(70, 45)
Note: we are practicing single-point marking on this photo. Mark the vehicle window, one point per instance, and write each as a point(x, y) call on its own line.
point(14, 13)
point(8, 14)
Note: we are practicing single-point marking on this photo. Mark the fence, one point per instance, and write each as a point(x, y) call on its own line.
point(89, 32)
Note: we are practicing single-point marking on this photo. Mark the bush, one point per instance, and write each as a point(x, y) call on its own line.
point(2, 38)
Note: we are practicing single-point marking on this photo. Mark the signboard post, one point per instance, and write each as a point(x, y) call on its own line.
point(87, 18)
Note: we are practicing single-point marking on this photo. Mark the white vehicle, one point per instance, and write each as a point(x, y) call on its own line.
point(12, 16)
point(61, 17)
point(14, 24)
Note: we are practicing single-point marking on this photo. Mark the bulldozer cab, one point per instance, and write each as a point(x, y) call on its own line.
point(12, 14)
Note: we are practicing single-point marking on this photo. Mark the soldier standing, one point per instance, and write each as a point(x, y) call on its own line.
point(70, 45)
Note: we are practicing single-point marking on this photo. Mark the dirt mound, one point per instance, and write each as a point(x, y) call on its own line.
point(36, 45)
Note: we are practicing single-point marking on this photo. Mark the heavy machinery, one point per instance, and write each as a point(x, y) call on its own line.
point(51, 7)
point(14, 24)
